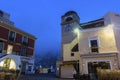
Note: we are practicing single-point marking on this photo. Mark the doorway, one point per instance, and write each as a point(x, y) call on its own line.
point(92, 68)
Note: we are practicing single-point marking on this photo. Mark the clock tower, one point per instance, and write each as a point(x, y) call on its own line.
point(69, 21)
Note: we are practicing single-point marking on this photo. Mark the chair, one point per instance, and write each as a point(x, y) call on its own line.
point(13, 77)
point(2, 75)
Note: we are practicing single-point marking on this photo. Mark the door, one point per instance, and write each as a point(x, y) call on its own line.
point(92, 68)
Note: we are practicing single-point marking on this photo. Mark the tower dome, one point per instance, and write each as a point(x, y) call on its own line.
point(70, 17)
point(70, 12)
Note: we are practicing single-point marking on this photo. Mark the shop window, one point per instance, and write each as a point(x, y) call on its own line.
point(69, 19)
point(8, 64)
point(8, 70)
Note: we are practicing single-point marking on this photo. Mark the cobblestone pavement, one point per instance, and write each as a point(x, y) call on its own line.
point(40, 77)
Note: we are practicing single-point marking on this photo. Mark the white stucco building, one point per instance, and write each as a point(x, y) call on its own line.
point(90, 45)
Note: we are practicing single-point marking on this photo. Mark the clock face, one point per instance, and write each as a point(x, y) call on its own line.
point(68, 28)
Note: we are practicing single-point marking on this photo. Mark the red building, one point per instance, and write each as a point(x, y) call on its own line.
point(17, 42)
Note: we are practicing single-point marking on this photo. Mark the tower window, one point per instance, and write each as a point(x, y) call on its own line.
point(68, 28)
point(69, 19)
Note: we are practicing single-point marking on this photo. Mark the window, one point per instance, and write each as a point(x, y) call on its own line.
point(23, 52)
point(75, 48)
point(9, 49)
point(12, 36)
point(68, 28)
point(69, 19)
point(72, 54)
point(8, 64)
point(24, 40)
point(1, 47)
point(29, 68)
point(94, 45)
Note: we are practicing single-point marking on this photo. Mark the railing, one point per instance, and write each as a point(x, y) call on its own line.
point(2, 55)
point(9, 74)
point(107, 74)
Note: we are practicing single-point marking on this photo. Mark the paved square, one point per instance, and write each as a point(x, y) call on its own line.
point(40, 77)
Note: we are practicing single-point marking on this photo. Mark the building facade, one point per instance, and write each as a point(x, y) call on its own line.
point(90, 45)
point(14, 41)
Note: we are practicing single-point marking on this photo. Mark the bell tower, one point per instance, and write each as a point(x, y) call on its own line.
point(69, 21)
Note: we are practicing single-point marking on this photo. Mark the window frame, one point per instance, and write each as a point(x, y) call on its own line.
point(98, 43)
point(21, 52)
point(10, 35)
point(94, 38)
point(24, 41)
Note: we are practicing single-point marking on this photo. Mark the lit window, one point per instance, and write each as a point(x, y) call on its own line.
point(1, 63)
point(8, 63)
point(12, 65)
point(9, 49)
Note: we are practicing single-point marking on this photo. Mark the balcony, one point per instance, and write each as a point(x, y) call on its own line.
point(25, 43)
point(94, 49)
point(11, 39)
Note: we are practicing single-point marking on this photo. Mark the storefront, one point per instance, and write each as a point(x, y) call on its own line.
point(10, 67)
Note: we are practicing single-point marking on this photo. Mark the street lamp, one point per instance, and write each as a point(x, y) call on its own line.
point(76, 31)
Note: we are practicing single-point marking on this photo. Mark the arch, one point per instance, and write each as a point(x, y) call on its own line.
point(8, 63)
point(69, 19)
point(16, 58)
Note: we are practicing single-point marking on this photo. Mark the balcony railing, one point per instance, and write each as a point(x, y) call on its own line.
point(94, 50)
